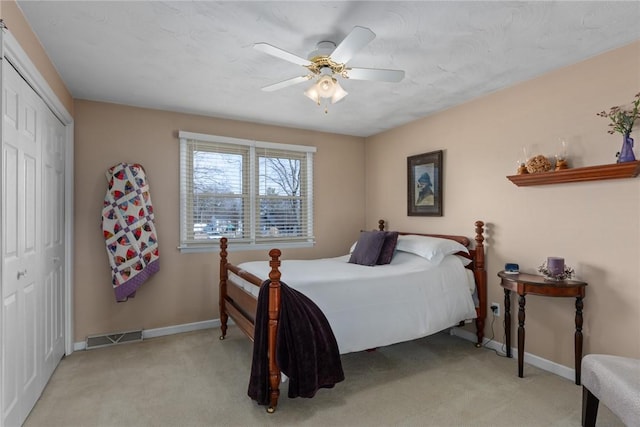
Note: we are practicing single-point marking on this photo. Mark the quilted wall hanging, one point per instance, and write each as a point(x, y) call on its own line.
point(129, 230)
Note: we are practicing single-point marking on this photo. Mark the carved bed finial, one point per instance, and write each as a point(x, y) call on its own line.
point(223, 248)
point(381, 225)
point(479, 239)
point(274, 274)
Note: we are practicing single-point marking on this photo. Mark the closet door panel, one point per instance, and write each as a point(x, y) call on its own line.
point(11, 360)
point(53, 242)
point(13, 268)
point(22, 281)
point(10, 204)
point(11, 158)
point(30, 114)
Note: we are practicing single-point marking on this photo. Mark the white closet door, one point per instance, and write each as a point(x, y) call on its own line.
point(53, 242)
point(12, 248)
point(22, 255)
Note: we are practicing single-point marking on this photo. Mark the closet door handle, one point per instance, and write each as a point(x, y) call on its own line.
point(22, 273)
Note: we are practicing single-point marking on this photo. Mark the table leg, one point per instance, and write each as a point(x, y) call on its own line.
point(578, 339)
point(521, 336)
point(507, 320)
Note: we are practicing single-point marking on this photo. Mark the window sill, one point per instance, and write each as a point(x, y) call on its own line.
point(240, 247)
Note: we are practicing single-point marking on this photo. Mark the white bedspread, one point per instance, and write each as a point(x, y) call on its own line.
point(370, 307)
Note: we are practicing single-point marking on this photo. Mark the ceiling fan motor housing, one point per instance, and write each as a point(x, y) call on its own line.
point(323, 48)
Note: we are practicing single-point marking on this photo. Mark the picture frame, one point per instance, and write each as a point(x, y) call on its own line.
point(424, 184)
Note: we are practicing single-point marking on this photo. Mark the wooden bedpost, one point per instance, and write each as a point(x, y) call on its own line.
point(224, 275)
point(381, 225)
point(481, 281)
point(274, 317)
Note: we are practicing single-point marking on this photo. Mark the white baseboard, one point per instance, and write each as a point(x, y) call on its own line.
point(168, 330)
point(80, 345)
point(531, 359)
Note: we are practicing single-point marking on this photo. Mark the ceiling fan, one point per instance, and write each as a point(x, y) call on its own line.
point(329, 61)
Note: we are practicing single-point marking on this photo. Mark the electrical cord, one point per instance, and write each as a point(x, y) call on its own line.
point(493, 334)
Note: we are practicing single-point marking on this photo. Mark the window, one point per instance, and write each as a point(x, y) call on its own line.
point(257, 194)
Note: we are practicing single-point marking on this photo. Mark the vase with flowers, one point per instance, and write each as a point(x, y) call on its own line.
point(622, 121)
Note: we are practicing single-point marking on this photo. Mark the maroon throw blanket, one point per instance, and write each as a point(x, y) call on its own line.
point(306, 349)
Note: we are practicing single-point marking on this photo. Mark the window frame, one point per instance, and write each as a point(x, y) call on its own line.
point(252, 242)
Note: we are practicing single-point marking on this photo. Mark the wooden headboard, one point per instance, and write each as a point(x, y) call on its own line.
point(463, 240)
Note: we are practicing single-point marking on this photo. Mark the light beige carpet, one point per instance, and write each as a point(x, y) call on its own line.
point(194, 379)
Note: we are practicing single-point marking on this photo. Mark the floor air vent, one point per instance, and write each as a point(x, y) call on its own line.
point(97, 341)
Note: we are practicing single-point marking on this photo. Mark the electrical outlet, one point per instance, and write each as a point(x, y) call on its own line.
point(495, 309)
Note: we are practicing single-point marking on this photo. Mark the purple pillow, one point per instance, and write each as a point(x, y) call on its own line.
point(388, 248)
point(368, 248)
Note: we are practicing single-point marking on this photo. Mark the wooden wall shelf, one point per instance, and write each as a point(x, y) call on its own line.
point(590, 173)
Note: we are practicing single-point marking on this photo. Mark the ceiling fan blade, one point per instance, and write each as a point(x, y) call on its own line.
point(376, 74)
point(286, 83)
point(358, 38)
point(282, 54)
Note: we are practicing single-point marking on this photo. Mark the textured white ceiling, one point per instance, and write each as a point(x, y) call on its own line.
point(197, 56)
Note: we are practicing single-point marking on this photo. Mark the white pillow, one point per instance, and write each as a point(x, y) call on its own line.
point(432, 248)
point(465, 261)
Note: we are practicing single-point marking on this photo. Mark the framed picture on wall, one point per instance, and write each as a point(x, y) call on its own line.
point(424, 184)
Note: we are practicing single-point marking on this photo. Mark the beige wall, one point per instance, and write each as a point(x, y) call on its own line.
point(595, 226)
point(185, 290)
point(20, 29)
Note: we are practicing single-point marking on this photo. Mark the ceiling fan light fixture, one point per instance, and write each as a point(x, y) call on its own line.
point(338, 93)
point(312, 94)
point(326, 87)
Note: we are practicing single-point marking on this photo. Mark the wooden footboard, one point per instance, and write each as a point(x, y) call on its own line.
point(240, 305)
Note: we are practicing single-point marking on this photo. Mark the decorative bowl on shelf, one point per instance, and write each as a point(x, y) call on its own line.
point(538, 164)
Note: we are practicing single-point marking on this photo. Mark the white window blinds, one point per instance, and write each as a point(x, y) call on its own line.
point(257, 194)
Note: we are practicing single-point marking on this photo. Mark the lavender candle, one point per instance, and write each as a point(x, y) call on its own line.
point(555, 265)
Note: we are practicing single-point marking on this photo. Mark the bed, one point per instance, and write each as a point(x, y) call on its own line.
point(420, 291)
